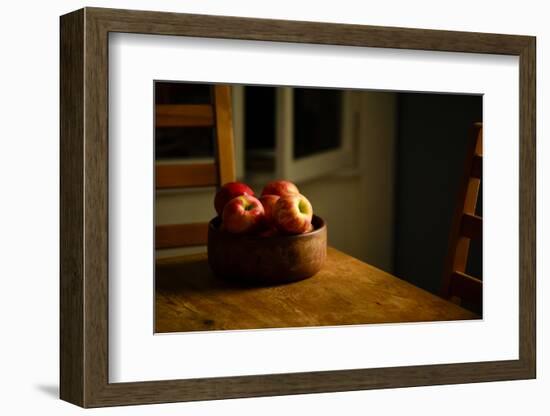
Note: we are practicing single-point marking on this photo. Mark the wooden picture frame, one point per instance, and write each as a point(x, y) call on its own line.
point(84, 207)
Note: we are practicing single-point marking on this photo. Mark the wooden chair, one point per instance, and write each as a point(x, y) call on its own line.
point(218, 116)
point(459, 286)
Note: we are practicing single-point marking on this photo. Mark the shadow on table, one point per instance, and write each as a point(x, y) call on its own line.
point(192, 274)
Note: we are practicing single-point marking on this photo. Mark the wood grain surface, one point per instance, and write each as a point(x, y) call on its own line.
point(181, 235)
point(225, 148)
point(184, 115)
point(186, 176)
point(346, 291)
point(84, 279)
point(72, 368)
point(465, 226)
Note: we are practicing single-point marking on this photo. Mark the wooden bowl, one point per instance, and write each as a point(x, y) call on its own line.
point(267, 260)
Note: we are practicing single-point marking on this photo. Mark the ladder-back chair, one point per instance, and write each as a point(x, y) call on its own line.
point(217, 115)
point(466, 226)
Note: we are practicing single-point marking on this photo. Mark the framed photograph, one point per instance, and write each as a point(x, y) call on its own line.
point(255, 207)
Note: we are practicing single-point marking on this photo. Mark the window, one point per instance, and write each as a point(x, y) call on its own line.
point(280, 132)
point(297, 133)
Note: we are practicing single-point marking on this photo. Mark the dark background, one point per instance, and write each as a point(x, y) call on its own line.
point(431, 147)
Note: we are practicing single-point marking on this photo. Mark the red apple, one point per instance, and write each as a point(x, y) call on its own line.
point(242, 214)
point(229, 191)
point(293, 214)
point(269, 201)
point(281, 188)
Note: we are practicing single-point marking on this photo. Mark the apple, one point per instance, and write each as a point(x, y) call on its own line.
point(242, 214)
point(280, 188)
point(293, 214)
point(268, 202)
point(229, 191)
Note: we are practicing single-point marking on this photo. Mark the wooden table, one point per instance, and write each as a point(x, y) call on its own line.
point(346, 291)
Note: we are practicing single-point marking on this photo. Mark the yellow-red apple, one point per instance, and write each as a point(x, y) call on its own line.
point(280, 188)
point(243, 214)
point(268, 202)
point(293, 214)
point(229, 191)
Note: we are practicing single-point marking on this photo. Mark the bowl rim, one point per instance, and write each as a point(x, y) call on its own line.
point(310, 234)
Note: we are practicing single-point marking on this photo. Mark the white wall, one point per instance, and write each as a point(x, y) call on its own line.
point(29, 213)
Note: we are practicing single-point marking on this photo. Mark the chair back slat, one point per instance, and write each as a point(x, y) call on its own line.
point(467, 288)
point(465, 226)
point(186, 176)
point(217, 115)
point(184, 115)
point(225, 151)
point(471, 227)
point(180, 235)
